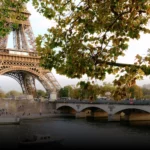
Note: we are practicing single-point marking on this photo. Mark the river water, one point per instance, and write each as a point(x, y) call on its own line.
point(78, 133)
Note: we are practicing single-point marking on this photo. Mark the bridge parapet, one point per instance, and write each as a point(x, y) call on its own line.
point(111, 109)
point(105, 101)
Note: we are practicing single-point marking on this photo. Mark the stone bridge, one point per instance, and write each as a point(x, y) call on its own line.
point(110, 109)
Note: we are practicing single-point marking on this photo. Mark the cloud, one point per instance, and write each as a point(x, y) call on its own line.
point(136, 47)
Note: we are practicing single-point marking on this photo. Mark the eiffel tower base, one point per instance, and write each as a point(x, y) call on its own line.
point(53, 96)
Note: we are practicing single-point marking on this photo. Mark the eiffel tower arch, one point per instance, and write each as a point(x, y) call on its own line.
point(22, 63)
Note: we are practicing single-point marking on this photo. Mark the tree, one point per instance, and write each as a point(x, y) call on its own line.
point(2, 93)
point(136, 92)
point(76, 93)
point(12, 93)
point(90, 35)
point(107, 87)
point(65, 91)
point(7, 15)
point(88, 90)
point(84, 86)
point(93, 91)
point(41, 93)
point(146, 93)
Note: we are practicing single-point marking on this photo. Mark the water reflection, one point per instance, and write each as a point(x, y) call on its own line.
point(78, 133)
point(140, 123)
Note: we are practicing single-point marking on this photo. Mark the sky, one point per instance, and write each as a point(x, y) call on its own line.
point(40, 25)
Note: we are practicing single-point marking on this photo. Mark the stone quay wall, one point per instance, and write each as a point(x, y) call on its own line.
point(25, 107)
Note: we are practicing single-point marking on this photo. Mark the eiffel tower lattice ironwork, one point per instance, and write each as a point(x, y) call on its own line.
point(22, 62)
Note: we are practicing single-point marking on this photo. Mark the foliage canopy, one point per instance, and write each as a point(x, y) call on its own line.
point(90, 35)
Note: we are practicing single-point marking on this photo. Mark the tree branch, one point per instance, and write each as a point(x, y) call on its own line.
point(115, 64)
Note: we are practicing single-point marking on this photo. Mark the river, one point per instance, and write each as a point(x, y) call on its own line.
point(78, 133)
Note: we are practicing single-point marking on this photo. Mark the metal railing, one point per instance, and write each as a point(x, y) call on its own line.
point(105, 101)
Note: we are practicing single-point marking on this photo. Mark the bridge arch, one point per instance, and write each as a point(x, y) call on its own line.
point(96, 112)
point(79, 107)
point(68, 105)
point(94, 108)
point(67, 109)
point(100, 107)
point(131, 108)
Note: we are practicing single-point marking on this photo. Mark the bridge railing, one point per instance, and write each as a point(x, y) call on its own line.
point(105, 101)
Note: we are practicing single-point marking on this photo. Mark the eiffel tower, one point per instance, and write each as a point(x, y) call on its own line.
point(22, 63)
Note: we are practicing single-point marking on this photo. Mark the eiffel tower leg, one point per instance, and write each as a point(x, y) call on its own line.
point(18, 76)
point(51, 85)
point(21, 75)
point(29, 83)
point(54, 86)
point(53, 96)
point(31, 39)
point(3, 42)
point(26, 82)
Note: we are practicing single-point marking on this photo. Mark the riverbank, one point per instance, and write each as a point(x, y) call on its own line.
point(38, 116)
point(16, 119)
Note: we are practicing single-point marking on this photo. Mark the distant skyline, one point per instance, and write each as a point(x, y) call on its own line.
point(40, 25)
